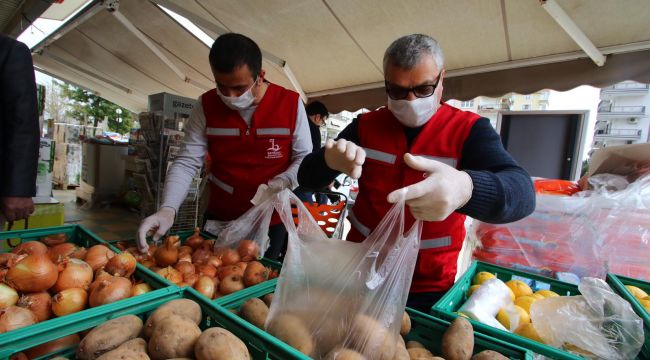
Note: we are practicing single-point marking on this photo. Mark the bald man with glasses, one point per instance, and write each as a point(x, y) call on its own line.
point(451, 162)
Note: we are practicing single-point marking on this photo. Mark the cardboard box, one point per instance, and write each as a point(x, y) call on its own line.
point(171, 104)
point(45, 168)
point(67, 164)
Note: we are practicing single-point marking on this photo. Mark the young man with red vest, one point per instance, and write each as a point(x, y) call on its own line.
point(451, 163)
point(255, 132)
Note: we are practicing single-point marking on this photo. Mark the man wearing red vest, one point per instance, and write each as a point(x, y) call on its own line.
point(255, 132)
point(450, 162)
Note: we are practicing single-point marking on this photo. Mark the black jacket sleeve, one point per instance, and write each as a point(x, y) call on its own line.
point(503, 190)
point(19, 133)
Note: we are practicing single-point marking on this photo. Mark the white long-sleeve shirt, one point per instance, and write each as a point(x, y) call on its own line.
point(195, 144)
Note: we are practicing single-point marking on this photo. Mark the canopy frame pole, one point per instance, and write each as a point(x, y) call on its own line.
point(201, 22)
point(149, 44)
point(570, 27)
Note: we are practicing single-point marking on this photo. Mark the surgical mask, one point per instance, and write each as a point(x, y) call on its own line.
point(241, 102)
point(416, 112)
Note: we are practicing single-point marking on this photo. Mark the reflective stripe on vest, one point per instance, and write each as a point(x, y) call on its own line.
point(362, 229)
point(222, 131)
point(273, 131)
point(380, 156)
point(222, 185)
point(435, 243)
point(445, 160)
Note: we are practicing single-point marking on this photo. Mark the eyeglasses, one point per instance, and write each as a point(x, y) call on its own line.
point(420, 91)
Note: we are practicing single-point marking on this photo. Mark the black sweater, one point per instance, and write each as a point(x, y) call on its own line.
point(503, 191)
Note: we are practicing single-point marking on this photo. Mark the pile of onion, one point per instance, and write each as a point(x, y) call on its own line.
point(15, 317)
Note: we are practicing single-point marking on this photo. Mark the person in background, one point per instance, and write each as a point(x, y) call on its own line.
point(317, 114)
point(255, 132)
point(19, 131)
point(450, 162)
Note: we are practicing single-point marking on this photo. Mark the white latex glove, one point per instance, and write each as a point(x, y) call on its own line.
point(278, 184)
point(265, 191)
point(345, 156)
point(157, 224)
point(442, 192)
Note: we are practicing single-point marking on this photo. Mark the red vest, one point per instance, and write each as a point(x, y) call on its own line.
point(244, 157)
point(442, 139)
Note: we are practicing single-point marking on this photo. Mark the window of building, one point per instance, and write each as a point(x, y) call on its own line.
point(467, 104)
point(528, 97)
point(526, 107)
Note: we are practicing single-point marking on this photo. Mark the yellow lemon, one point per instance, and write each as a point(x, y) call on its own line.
point(638, 293)
point(527, 330)
point(519, 288)
point(472, 289)
point(504, 319)
point(482, 277)
point(646, 304)
point(524, 302)
point(512, 294)
point(547, 293)
point(537, 296)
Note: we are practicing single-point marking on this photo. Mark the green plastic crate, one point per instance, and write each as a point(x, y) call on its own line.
point(426, 329)
point(446, 307)
point(618, 282)
point(45, 331)
point(275, 265)
point(261, 345)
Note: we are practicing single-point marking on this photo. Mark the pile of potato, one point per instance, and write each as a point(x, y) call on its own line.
point(171, 332)
point(213, 272)
point(367, 336)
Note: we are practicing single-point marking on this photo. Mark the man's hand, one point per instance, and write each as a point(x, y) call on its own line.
point(442, 192)
point(157, 224)
point(278, 184)
point(17, 208)
point(345, 156)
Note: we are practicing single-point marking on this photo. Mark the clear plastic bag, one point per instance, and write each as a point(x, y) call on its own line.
point(335, 294)
point(598, 322)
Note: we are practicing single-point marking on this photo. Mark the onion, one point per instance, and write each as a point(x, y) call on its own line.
point(8, 296)
point(167, 254)
point(148, 263)
point(30, 248)
point(8, 259)
point(110, 290)
point(39, 303)
point(201, 255)
point(184, 267)
point(62, 251)
point(15, 317)
point(228, 256)
point(248, 250)
point(242, 265)
point(122, 264)
point(69, 301)
point(185, 257)
point(207, 270)
point(75, 274)
point(101, 274)
point(80, 253)
point(54, 239)
point(214, 261)
point(98, 255)
point(34, 273)
point(171, 274)
point(52, 346)
point(195, 240)
point(190, 279)
point(185, 250)
point(19, 356)
point(205, 286)
point(140, 289)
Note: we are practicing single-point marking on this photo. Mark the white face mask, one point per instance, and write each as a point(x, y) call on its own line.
point(416, 112)
point(241, 102)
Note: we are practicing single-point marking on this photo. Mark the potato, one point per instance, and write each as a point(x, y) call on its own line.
point(414, 344)
point(372, 337)
point(344, 354)
point(268, 299)
point(255, 311)
point(489, 355)
point(419, 354)
point(255, 273)
point(109, 336)
point(173, 336)
point(220, 344)
point(181, 307)
point(400, 352)
point(133, 349)
point(458, 340)
point(291, 329)
point(405, 327)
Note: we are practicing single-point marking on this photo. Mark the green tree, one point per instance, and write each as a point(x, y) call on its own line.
point(86, 105)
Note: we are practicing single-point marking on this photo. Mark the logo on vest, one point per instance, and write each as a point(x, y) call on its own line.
point(273, 152)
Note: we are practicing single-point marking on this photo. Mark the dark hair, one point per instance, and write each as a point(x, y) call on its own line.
point(317, 108)
point(232, 50)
